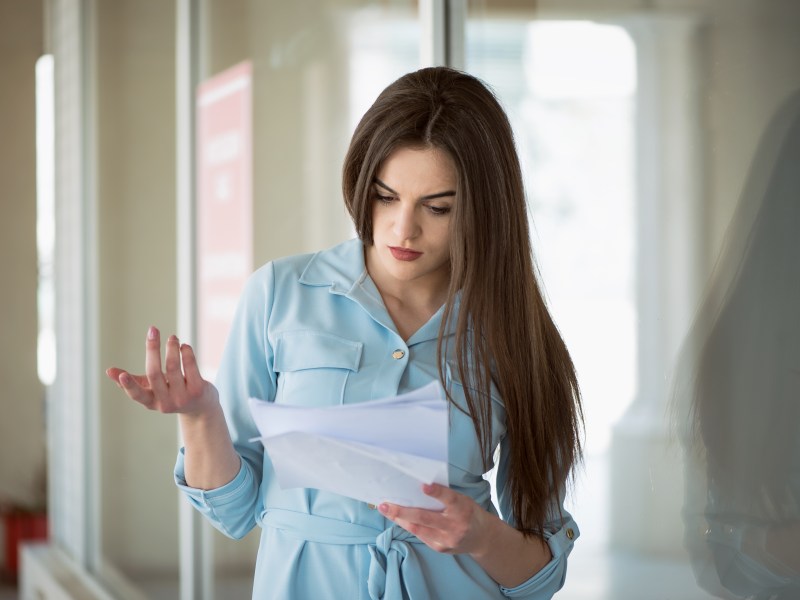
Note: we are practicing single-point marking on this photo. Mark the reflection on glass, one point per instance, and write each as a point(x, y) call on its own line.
point(741, 388)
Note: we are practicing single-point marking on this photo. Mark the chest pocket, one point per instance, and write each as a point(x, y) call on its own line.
point(464, 449)
point(313, 367)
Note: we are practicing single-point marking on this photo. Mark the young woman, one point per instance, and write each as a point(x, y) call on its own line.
point(440, 284)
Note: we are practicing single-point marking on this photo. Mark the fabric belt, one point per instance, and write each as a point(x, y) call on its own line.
point(390, 549)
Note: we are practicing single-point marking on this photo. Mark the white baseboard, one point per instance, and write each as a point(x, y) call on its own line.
point(46, 573)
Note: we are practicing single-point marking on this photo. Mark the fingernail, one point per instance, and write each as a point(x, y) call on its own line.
point(427, 488)
point(124, 380)
point(383, 508)
point(173, 338)
point(151, 333)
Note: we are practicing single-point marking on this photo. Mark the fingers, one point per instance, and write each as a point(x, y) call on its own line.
point(419, 516)
point(152, 362)
point(179, 388)
point(113, 374)
point(427, 535)
point(136, 388)
point(430, 527)
point(442, 493)
point(172, 363)
point(194, 381)
point(459, 528)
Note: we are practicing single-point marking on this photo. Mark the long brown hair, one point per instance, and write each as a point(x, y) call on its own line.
point(503, 330)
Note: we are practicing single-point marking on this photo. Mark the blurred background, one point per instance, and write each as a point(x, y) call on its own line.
point(638, 123)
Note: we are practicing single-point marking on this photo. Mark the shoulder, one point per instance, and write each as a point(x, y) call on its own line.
point(292, 277)
point(342, 265)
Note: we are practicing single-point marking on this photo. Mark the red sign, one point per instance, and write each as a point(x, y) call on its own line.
point(224, 206)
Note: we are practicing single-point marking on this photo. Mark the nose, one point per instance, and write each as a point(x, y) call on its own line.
point(406, 226)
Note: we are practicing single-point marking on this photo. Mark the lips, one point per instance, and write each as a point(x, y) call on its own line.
point(404, 253)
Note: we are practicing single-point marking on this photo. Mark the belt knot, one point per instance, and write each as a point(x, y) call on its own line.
point(392, 548)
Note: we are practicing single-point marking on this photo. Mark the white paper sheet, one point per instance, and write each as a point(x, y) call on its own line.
point(377, 451)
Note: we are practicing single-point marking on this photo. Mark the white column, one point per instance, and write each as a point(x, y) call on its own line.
point(432, 51)
point(443, 40)
point(72, 400)
point(456, 34)
point(646, 476)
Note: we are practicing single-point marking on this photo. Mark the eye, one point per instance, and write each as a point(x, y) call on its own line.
point(438, 210)
point(383, 199)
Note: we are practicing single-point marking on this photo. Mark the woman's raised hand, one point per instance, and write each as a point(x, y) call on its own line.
point(178, 389)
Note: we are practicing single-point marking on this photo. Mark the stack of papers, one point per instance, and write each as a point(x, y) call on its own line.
point(378, 451)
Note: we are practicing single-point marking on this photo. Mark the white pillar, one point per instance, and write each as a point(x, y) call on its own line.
point(72, 400)
point(646, 476)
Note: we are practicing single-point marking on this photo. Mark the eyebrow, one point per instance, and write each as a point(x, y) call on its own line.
point(428, 197)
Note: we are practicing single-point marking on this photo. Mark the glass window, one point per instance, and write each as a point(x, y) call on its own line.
point(315, 68)
point(648, 136)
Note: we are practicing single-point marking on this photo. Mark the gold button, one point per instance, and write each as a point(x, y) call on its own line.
point(371, 506)
point(570, 533)
point(398, 354)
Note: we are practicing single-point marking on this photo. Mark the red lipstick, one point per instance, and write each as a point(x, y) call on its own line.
point(404, 253)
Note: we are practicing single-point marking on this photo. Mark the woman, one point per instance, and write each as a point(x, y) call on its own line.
point(739, 384)
point(440, 285)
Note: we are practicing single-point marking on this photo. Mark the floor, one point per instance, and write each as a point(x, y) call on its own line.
point(595, 573)
point(620, 577)
point(609, 577)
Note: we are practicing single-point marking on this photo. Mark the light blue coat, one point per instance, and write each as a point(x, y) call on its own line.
point(313, 330)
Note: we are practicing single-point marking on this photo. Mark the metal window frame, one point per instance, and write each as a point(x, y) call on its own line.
point(73, 398)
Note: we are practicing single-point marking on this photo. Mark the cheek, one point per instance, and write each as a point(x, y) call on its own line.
point(444, 237)
point(376, 220)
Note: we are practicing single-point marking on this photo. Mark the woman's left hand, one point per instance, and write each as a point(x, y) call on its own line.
point(463, 527)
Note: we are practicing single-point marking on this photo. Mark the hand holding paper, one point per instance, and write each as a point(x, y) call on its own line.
point(379, 451)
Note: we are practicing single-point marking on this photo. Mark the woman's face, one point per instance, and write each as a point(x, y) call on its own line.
point(413, 197)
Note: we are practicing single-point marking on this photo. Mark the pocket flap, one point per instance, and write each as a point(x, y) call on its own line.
point(300, 350)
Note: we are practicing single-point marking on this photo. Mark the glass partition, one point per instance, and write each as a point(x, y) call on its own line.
point(641, 128)
point(316, 67)
point(648, 135)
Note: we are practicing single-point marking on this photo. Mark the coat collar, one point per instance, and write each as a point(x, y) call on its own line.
point(341, 267)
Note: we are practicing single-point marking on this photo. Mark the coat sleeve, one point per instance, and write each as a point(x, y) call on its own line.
point(246, 370)
point(560, 533)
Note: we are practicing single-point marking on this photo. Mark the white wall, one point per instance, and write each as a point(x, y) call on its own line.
point(135, 66)
point(22, 442)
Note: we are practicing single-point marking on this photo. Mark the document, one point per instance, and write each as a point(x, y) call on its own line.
point(377, 451)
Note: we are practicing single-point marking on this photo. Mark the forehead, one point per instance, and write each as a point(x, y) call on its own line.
point(415, 168)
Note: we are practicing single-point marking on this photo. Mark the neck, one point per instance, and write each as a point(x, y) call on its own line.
point(414, 297)
point(424, 294)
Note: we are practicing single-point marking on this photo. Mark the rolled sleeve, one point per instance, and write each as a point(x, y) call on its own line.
point(560, 533)
point(550, 578)
point(245, 371)
point(228, 508)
